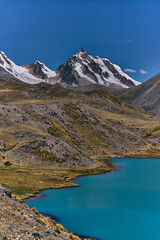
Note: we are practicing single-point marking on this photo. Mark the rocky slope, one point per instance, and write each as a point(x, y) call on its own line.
point(17, 221)
point(147, 95)
point(45, 124)
point(80, 70)
point(51, 127)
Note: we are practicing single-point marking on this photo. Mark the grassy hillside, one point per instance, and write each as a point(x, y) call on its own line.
point(50, 135)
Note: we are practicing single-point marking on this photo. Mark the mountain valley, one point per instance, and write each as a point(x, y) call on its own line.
point(63, 133)
point(54, 131)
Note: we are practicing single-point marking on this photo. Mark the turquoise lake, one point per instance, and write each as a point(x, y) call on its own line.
point(120, 205)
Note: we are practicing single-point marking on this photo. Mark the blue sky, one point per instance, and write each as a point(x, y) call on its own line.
point(124, 31)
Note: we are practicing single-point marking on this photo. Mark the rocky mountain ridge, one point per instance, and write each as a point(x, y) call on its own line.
point(39, 70)
point(9, 69)
point(79, 70)
point(83, 69)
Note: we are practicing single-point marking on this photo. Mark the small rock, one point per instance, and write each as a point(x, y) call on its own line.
point(5, 238)
point(36, 235)
point(47, 233)
point(7, 192)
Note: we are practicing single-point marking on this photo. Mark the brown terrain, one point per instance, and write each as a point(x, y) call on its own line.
point(50, 135)
point(147, 95)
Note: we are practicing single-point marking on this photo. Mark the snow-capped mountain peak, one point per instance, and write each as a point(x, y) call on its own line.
point(31, 73)
point(5, 62)
point(80, 70)
point(37, 62)
point(82, 51)
point(9, 69)
point(83, 69)
point(39, 70)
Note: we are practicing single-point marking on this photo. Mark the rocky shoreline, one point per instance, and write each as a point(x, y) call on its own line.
point(18, 221)
point(55, 218)
point(35, 197)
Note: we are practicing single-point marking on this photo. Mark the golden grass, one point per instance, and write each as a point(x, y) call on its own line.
point(5, 90)
point(23, 127)
point(24, 182)
point(141, 120)
point(148, 151)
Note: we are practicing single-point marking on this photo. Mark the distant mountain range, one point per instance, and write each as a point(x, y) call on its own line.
point(53, 133)
point(80, 70)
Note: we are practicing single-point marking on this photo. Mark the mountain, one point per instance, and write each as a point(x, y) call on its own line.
point(39, 70)
point(34, 73)
point(147, 95)
point(83, 69)
point(80, 70)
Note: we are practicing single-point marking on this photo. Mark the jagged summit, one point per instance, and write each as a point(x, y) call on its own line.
point(80, 70)
point(81, 51)
point(31, 73)
point(83, 69)
point(37, 62)
point(9, 69)
point(39, 70)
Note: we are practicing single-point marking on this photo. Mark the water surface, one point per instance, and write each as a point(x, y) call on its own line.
point(120, 205)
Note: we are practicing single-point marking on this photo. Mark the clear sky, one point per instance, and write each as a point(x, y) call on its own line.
point(127, 32)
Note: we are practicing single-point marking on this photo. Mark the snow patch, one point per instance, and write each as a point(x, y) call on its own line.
point(111, 78)
point(18, 72)
point(48, 72)
point(78, 68)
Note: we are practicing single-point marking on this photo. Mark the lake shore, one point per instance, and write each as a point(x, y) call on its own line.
point(93, 203)
point(40, 195)
point(66, 182)
point(55, 218)
point(35, 197)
